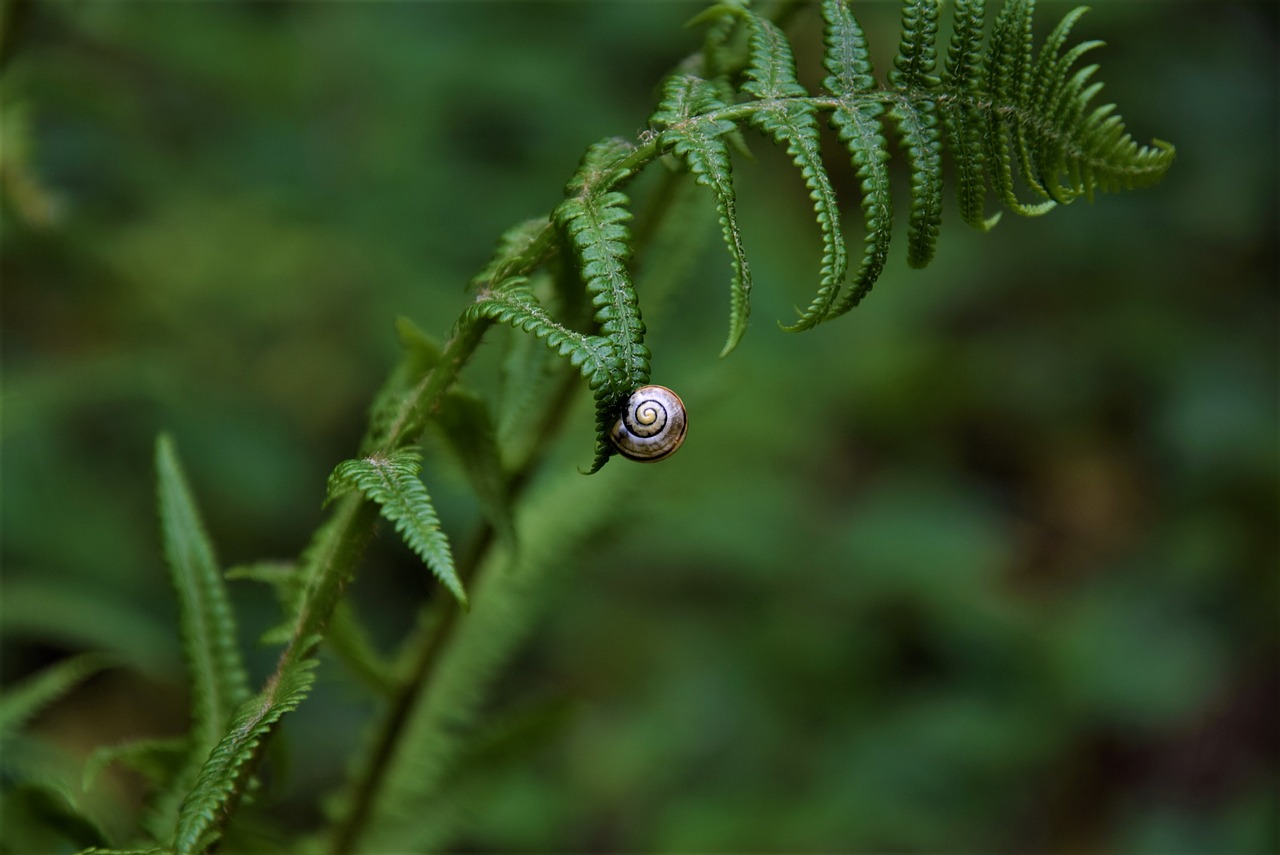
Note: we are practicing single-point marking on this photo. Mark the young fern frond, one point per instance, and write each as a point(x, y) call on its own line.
point(219, 681)
point(791, 120)
point(205, 809)
point(699, 141)
point(915, 112)
point(393, 484)
point(593, 219)
point(514, 305)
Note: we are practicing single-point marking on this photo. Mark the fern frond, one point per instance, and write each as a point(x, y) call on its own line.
point(203, 812)
point(219, 683)
point(964, 125)
point(1007, 85)
point(791, 119)
point(698, 140)
point(218, 677)
point(593, 220)
point(393, 484)
point(915, 113)
point(517, 307)
point(858, 125)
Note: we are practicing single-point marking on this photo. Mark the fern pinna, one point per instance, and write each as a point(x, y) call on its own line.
point(1008, 113)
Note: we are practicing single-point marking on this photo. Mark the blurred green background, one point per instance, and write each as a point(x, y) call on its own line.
point(987, 565)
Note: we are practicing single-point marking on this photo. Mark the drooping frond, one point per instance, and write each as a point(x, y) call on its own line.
point(1000, 110)
point(393, 484)
point(698, 140)
point(516, 306)
point(201, 815)
point(593, 219)
point(789, 119)
point(858, 124)
point(962, 121)
point(915, 111)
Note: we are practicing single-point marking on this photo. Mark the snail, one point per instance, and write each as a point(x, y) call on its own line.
point(652, 426)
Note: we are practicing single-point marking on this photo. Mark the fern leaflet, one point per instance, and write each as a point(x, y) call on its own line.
point(219, 681)
point(392, 482)
point(699, 142)
point(203, 812)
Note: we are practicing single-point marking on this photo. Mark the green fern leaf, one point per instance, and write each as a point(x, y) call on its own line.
point(964, 124)
point(593, 219)
point(218, 677)
point(392, 483)
point(791, 121)
point(1007, 85)
point(847, 58)
point(517, 307)
point(915, 113)
point(858, 124)
point(219, 681)
point(917, 57)
point(698, 140)
point(771, 68)
point(203, 812)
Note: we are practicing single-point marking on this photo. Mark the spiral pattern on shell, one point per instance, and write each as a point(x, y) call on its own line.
point(652, 426)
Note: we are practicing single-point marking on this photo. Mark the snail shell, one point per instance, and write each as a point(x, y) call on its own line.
point(652, 426)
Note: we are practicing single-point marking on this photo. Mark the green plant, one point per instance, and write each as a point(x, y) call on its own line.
point(1008, 111)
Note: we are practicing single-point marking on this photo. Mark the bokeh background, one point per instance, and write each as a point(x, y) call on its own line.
point(988, 564)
